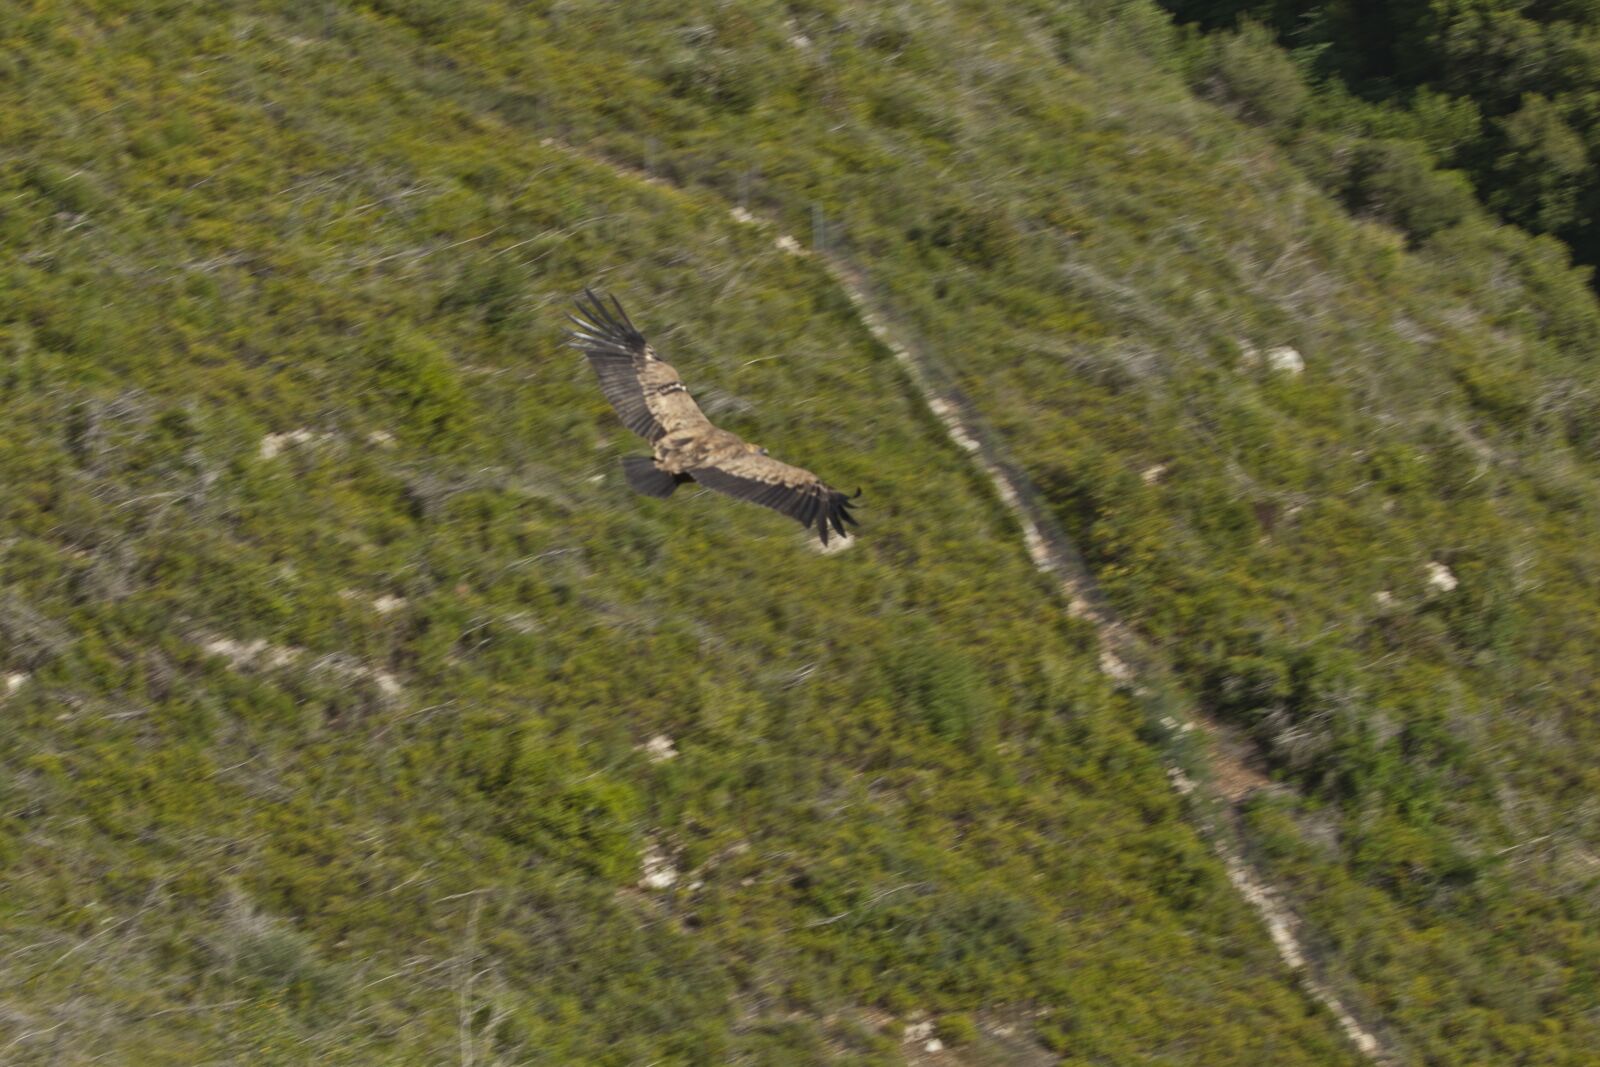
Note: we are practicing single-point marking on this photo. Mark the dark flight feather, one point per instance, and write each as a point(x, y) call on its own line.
point(645, 477)
point(619, 355)
point(811, 505)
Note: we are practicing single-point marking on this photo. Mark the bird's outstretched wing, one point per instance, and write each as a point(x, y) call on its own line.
point(794, 491)
point(645, 390)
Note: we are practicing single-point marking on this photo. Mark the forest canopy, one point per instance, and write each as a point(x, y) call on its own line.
point(1506, 91)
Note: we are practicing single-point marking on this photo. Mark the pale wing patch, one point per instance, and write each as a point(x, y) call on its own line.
point(667, 398)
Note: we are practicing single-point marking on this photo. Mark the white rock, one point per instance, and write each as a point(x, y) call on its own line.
point(385, 604)
point(1384, 599)
point(658, 873)
point(799, 40)
point(1152, 475)
point(16, 680)
point(242, 654)
point(1440, 578)
point(788, 244)
point(1285, 359)
point(933, 1045)
point(381, 438)
point(659, 749)
point(274, 443)
point(238, 652)
point(741, 215)
point(836, 544)
point(1281, 358)
point(919, 1031)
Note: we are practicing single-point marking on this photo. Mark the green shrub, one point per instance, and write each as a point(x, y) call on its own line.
point(417, 380)
point(956, 1030)
point(1248, 69)
point(1397, 181)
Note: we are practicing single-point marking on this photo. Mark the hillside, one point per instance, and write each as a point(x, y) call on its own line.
point(1383, 568)
point(337, 647)
point(338, 654)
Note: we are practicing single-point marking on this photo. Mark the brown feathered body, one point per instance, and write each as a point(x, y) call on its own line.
point(653, 402)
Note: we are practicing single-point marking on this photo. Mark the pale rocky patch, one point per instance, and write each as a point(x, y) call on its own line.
point(273, 444)
point(387, 604)
point(657, 870)
point(1441, 577)
point(836, 544)
point(659, 749)
point(242, 655)
point(259, 654)
point(351, 671)
point(1113, 666)
point(383, 603)
point(1285, 360)
point(1281, 358)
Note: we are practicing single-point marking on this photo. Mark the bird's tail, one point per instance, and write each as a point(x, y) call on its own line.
point(647, 478)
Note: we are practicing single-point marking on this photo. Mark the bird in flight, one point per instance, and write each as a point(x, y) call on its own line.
point(654, 403)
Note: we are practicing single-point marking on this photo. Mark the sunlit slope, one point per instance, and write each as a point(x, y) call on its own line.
point(1382, 566)
point(333, 646)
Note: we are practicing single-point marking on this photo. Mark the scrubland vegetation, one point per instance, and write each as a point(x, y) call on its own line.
point(342, 663)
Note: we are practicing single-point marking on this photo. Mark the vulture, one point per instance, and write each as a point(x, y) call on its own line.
point(654, 403)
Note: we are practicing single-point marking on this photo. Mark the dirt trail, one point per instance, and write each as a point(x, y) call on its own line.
point(1124, 657)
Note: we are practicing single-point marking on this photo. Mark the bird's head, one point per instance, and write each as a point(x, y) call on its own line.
point(757, 449)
